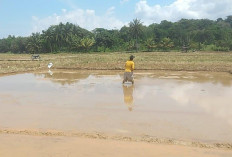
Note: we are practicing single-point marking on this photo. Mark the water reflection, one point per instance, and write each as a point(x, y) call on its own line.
point(71, 77)
point(171, 104)
point(224, 79)
point(128, 90)
point(215, 100)
point(50, 72)
point(63, 78)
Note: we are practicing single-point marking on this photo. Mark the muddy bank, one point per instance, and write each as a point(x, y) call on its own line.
point(27, 146)
point(202, 61)
point(97, 135)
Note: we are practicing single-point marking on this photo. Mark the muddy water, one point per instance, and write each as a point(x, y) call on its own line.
point(188, 106)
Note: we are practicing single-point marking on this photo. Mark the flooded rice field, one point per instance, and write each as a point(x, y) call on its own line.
point(188, 106)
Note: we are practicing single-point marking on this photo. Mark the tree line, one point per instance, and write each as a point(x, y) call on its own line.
point(193, 34)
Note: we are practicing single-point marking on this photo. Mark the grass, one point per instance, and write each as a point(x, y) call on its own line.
point(192, 61)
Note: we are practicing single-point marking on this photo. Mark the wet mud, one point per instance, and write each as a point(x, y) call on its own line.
point(37, 146)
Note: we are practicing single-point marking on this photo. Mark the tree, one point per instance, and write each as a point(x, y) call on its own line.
point(18, 45)
point(5, 44)
point(166, 44)
point(125, 34)
point(150, 44)
point(49, 38)
point(103, 38)
point(86, 43)
point(229, 20)
point(136, 30)
point(34, 43)
point(74, 42)
point(194, 33)
point(130, 45)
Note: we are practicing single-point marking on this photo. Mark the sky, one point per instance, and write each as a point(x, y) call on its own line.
point(23, 17)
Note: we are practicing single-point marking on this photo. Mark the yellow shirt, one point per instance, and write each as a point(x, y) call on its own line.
point(129, 66)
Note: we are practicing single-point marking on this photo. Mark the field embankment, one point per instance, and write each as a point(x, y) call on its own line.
point(194, 61)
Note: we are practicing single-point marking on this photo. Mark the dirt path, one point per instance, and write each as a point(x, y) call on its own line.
point(42, 146)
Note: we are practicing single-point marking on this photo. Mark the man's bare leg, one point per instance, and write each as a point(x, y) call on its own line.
point(124, 80)
point(132, 81)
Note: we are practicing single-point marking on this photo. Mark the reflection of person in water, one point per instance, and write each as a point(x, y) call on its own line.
point(128, 96)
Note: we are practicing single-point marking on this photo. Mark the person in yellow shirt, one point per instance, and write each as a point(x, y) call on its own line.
point(129, 68)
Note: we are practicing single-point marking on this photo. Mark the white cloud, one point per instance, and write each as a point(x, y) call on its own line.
point(110, 11)
point(84, 18)
point(190, 9)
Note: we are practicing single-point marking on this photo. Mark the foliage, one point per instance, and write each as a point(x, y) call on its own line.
point(136, 30)
point(166, 44)
point(150, 44)
point(87, 43)
point(103, 38)
point(199, 34)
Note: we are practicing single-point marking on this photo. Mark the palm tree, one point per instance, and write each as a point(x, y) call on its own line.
point(136, 30)
point(86, 43)
point(150, 44)
point(74, 42)
point(166, 44)
point(49, 38)
point(34, 43)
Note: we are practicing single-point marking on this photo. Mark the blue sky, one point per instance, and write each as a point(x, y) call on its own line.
point(22, 17)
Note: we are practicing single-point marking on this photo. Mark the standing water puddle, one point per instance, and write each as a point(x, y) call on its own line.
point(195, 106)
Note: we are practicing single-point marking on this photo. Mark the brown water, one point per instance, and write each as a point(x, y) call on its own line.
point(188, 106)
